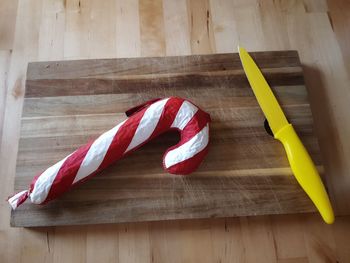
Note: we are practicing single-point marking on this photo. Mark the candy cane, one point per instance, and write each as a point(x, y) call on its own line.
point(145, 122)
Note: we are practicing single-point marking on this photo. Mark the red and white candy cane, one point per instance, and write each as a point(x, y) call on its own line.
point(146, 122)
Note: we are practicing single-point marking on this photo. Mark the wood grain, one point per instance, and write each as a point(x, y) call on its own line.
point(246, 171)
point(4, 63)
point(339, 16)
point(256, 25)
point(8, 12)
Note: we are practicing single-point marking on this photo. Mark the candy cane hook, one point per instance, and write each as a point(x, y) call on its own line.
point(145, 122)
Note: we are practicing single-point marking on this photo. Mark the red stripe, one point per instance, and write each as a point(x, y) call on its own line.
point(140, 107)
point(22, 198)
point(194, 126)
point(31, 188)
point(67, 173)
point(168, 116)
point(122, 139)
point(188, 166)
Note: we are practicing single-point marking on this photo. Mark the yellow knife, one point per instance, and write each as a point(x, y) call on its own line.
point(300, 161)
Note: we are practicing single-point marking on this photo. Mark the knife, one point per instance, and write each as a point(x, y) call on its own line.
point(299, 159)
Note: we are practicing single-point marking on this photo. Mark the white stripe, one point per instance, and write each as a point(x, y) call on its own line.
point(14, 199)
point(147, 124)
point(96, 153)
point(188, 149)
point(184, 115)
point(43, 184)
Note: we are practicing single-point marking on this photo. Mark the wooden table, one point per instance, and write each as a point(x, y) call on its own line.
point(32, 30)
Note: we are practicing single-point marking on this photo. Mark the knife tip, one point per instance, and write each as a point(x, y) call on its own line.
point(241, 49)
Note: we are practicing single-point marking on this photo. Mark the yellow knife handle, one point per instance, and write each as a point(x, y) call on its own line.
point(305, 171)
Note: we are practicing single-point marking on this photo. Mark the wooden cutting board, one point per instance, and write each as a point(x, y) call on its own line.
point(68, 103)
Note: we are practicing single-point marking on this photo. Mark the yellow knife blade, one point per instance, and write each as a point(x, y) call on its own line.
point(263, 93)
point(299, 159)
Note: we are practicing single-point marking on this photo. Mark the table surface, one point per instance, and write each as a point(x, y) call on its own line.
point(32, 30)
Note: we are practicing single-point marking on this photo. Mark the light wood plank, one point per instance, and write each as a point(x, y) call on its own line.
point(102, 43)
point(273, 20)
point(288, 237)
point(8, 14)
point(127, 29)
point(248, 25)
point(176, 27)
point(258, 231)
point(227, 240)
point(293, 260)
point(152, 28)
point(102, 243)
point(202, 37)
point(224, 25)
point(134, 243)
point(77, 35)
point(319, 240)
point(341, 233)
point(51, 32)
point(70, 244)
point(36, 244)
point(4, 68)
point(339, 16)
point(166, 242)
point(313, 6)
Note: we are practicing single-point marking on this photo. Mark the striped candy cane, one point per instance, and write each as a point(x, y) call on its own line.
point(146, 122)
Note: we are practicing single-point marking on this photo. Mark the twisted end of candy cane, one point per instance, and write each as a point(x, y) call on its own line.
point(18, 199)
